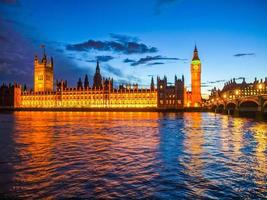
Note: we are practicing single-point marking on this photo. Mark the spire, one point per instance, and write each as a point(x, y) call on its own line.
point(52, 62)
point(86, 82)
point(44, 56)
point(97, 67)
point(195, 57)
point(152, 85)
point(97, 77)
point(80, 84)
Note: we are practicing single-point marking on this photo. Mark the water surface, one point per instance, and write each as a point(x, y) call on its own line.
point(110, 155)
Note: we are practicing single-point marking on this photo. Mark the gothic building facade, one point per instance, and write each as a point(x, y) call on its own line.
point(102, 93)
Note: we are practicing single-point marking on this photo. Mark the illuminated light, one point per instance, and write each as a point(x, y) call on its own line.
point(237, 92)
point(196, 62)
point(260, 86)
point(94, 99)
point(224, 96)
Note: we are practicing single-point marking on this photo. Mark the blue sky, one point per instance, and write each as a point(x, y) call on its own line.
point(135, 39)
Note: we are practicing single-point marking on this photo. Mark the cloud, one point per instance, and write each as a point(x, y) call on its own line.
point(104, 58)
point(10, 2)
point(213, 82)
point(244, 54)
point(121, 77)
point(239, 78)
point(3, 39)
point(110, 69)
point(148, 59)
point(124, 38)
point(121, 44)
point(154, 63)
point(127, 60)
point(101, 59)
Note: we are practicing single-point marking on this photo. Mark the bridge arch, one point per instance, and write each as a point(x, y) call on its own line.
point(214, 107)
point(220, 108)
point(246, 101)
point(230, 107)
point(265, 107)
point(248, 106)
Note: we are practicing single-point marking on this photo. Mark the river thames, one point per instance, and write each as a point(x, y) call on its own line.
point(109, 155)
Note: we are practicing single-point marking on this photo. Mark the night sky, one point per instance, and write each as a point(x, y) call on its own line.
point(135, 39)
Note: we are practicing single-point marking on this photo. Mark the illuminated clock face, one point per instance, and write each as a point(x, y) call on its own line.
point(195, 67)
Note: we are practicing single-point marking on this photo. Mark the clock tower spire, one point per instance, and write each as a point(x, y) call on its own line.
point(196, 79)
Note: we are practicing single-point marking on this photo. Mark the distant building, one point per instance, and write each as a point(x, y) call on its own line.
point(233, 90)
point(10, 96)
point(102, 93)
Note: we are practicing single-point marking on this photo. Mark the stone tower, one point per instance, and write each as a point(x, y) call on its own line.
point(196, 79)
point(43, 74)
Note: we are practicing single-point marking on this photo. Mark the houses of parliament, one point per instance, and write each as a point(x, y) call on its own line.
point(101, 94)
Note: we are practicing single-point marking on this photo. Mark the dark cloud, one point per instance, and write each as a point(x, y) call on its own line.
point(127, 60)
point(15, 62)
point(104, 58)
point(101, 59)
point(148, 59)
point(3, 39)
point(206, 85)
point(10, 2)
point(213, 82)
point(155, 63)
point(244, 54)
point(121, 44)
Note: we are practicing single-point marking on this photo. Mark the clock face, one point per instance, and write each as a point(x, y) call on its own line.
point(195, 67)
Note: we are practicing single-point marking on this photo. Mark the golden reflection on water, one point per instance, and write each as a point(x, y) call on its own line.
point(232, 135)
point(112, 154)
point(193, 143)
point(260, 166)
point(57, 140)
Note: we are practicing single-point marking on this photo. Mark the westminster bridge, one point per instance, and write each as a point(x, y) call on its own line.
point(246, 99)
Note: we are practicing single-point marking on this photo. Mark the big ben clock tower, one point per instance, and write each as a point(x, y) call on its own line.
point(196, 80)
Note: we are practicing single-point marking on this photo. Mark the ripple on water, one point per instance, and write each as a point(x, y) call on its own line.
point(131, 155)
